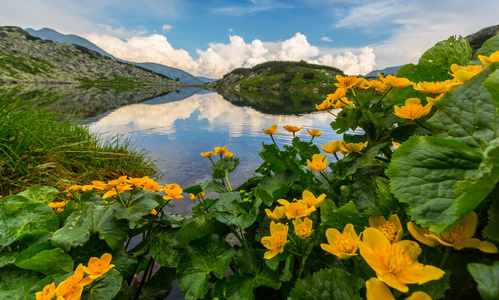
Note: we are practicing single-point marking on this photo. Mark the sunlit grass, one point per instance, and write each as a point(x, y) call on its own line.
point(40, 147)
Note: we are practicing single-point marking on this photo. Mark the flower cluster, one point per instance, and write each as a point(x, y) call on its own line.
point(218, 151)
point(297, 213)
point(72, 287)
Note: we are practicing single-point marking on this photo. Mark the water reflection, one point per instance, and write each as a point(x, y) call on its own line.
point(175, 133)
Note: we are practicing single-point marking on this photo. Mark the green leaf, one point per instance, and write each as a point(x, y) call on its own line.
point(91, 219)
point(40, 194)
point(489, 46)
point(361, 192)
point(491, 231)
point(202, 257)
point(331, 284)
point(487, 278)
point(223, 166)
point(197, 227)
point(7, 258)
point(164, 246)
point(468, 114)
point(424, 173)
point(272, 156)
point(230, 209)
point(251, 273)
point(15, 282)
point(140, 204)
point(28, 217)
point(387, 202)
point(105, 287)
point(45, 259)
point(492, 83)
point(213, 186)
point(335, 217)
point(270, 189)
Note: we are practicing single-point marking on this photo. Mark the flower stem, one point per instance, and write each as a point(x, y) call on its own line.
point(447, 251)
point(119, 197)
point(325, 177)
point(228, 183)
point(274, 141)
point(421, 124)
point(382, 97)
point(331, 113)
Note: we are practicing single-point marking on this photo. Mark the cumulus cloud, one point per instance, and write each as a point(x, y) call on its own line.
point(221, 58)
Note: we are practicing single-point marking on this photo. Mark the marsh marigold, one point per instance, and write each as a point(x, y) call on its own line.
point(271, 130)
point(343, 245)
point(377, 290)
point(72, 287)
point(296, 209)
point(487, 60)
point(276, 241)
point(318, 163)
point(391, 228)
point(98, 266)
point(412, 109)
point(395, 264)
point(303, 228)
point(458, 237)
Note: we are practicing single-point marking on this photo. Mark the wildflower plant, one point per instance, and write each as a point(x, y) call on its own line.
point(352, 219)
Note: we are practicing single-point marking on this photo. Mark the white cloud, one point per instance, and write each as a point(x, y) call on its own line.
point(326, 39)
point(220, 58)
point(167, 27)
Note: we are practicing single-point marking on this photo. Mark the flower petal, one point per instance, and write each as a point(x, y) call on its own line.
point(421, 234)
point(392, 281)
point(376, 290)
point(483, 246)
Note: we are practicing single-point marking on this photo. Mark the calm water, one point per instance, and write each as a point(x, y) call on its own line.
point(175, 131)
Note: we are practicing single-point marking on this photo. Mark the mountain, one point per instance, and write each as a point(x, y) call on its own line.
point(52, 35)
point(384, 72)
point(25, 58)
point(280, 76)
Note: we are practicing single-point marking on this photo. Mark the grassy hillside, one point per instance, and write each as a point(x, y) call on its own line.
point(282, 76)
point(24, 58)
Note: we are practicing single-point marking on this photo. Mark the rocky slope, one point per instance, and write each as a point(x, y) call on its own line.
point(27, 59)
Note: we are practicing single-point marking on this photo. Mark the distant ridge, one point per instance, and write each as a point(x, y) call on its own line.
point(384, 72)
point(52, 35)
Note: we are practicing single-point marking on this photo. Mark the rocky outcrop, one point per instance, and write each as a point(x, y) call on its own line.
point(477, 39)
point(27, 59)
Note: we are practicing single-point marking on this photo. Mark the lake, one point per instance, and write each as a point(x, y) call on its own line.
point(175, 128)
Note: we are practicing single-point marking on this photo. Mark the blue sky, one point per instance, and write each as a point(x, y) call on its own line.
point(210, 38)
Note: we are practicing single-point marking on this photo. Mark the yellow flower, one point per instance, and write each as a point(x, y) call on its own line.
point(137, 182)
point(98, 267)
point(228, 154)
point(275, 242)
point(342, 103)
point(318, 163)
point(173, 191)
point(117, 189)
point(57, 204)
point(395, 264)
point(458, 237)
point(347, 148)
point(412, 109)
point(432, 87)
point(207, 154)
point(393, 81)
point(310, 199)
point(154, 212)
point(314, 132)
point(303, 228)
point(271, 130)
point(433, 101)
point(462, 74)
point(339, 93)
point(151, 185)
point(324, 105)
point(73, 188)
point(278, 213)
point(120, 181)
point(377, 85)
point(487, 60)
point(361, 83)
point(343, 245)
point(377, 290)
point(99, 185)
point(297, 209)
point(290, 128)
point(392, 228)
point(199, 195)
point(332, 147)
point(47, 293)
point(220, 150)
point(72, 287)
point(346, 82)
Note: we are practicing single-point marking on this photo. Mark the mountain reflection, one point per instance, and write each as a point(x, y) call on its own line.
point(175, 133)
